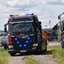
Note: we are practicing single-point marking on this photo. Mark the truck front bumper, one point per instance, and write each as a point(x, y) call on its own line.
point(34, 49)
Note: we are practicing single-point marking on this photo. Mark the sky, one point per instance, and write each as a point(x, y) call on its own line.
point(46, 10)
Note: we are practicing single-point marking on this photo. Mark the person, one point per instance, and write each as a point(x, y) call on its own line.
point(51, 35)
point(54, 35)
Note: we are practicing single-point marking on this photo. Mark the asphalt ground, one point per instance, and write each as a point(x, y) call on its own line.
point(54, 43)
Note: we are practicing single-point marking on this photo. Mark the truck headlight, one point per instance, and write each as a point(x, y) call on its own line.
point(35, 44)
point(10, 46)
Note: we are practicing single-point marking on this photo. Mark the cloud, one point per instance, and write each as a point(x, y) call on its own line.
point(28, 3)
point(16, 3)
point(56, 2)
point(44, 16)
point(41, 8)
point(25, 2)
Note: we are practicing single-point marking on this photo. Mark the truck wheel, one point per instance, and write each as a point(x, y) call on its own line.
point(12, 54)
point(5, 46)
point(45, 48)
point(40, 49)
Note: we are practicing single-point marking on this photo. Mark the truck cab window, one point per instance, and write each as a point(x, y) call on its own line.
point(21, 27)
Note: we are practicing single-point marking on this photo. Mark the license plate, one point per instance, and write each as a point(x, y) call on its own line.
point(23, 50)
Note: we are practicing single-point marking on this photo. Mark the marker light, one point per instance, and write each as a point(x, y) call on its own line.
point(17, 41)
point(15, 38)
point(28, 38)
point(20, 45)
point(26, 41)
point(8, 19)
point(24, 44)
point(30, 14)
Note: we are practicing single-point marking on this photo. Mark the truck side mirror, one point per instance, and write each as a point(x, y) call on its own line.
point(5, 29)
point(40, 22)
point(59, 17)
point(39, 25)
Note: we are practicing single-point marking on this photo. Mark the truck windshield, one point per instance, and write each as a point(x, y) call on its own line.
point(21, 27)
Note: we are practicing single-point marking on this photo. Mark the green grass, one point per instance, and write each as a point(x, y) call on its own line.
point(58, 54)
point(4, 56)
point(29, 60)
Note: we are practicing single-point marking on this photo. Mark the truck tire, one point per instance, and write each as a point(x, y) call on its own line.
point(12, 54)
point(45, 45)
point(45, 48)
point(5, 46)
point(40, 49)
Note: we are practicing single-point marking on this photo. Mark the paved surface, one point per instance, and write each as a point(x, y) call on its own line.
point(42, 59)
point(16, 60)
point(47, 59)
point(54, 43)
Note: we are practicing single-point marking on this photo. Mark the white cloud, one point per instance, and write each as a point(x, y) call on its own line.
point(30, 2)
point(43, 16)
point(62, 1)
point(41, 8)
point(25, 2)
point(33, 2)
point(12, 2)
point(56, 2)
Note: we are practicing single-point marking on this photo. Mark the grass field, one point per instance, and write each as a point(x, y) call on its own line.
point(4, 56)
point(57, 53)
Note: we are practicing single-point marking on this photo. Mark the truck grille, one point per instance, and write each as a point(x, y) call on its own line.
point(22, 43)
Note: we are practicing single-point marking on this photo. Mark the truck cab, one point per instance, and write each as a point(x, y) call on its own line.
point(24, 34)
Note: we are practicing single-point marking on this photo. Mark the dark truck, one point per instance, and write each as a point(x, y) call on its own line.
point(24, 34)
